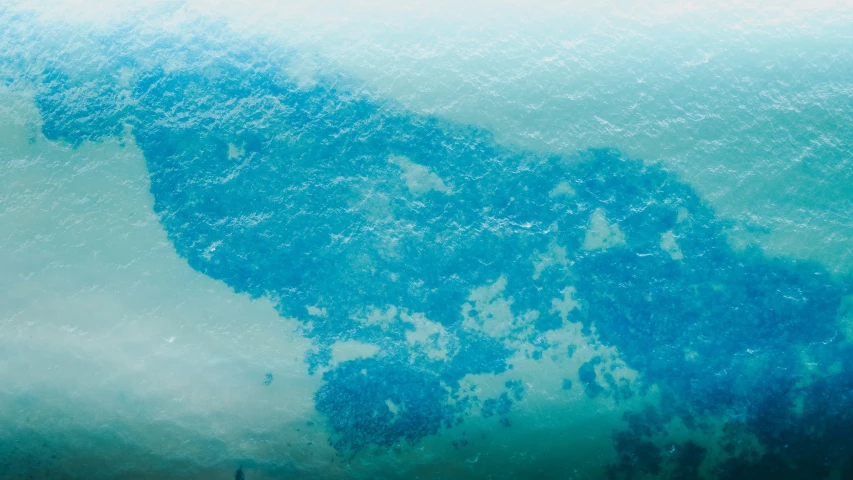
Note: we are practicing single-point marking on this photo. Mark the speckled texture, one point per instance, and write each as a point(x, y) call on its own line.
point(442, 282)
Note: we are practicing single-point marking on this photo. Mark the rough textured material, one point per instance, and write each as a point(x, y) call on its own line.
point(457, 294)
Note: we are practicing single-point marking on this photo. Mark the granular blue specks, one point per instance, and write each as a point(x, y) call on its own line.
point(336, 206)
point(443, 278)
point(368, 402)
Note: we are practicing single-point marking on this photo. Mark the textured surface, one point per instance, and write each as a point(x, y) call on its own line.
point(315, 254)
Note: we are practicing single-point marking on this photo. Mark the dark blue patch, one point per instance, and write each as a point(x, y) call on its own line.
point(588, 377)
point(647, 422)
point(355, 399)
point(714, 306)
point(808, 444)
point(497, 406)
point(687, 458)
point(477, 354)
point(516, 387)
point(635, 456)
point(268, 379)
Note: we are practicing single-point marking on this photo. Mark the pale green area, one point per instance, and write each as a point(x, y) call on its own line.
point(105, 331)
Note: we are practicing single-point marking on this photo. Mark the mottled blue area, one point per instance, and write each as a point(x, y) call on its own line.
point(293, 193)
point(316, 359)
point(589, 378)
point(476, 354)
point(79, 112)
point(809, 442)
point(638, 455)
point(687, 458)
point(356, 396)
point(517, 389)
point(497, 406)
point(570, 351)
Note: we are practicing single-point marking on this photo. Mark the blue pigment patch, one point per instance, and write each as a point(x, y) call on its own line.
point(316, 359)
point(297, 194)
point(517, 389)
point(589, 378)
point(497, 406)
point(367, 402)
point(76, 112)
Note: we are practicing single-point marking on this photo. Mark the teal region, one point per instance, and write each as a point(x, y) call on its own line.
point(332, 201)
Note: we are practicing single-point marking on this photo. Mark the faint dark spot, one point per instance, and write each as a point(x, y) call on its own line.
point(625, 391)
point(647, 422)
point(635, 455)
point(496, 406)
point(587, 376)
point(516, 387)
point(687, 458)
